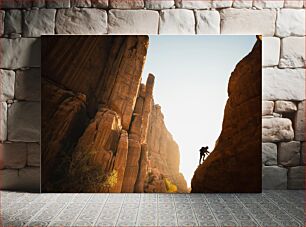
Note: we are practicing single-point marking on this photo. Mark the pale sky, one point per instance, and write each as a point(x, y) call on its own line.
point(191, 78)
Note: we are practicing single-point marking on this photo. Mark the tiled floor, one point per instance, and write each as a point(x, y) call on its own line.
point(271, 208)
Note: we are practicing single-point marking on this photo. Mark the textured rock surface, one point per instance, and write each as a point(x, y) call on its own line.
point(267, 107)
point(33, 158)
point(7, 82)
point(24, 122)
point(242, 4)
point(80, 3)
point(247, 21)
point(13, 155)
point(28, 84)
point(27, 179)
point(290, 22)
point(100, 3)
point(108, 137)
point(292, 52)
point(277, 129)
point(81, 21)
point(299, 122)
point(289, 153)
point(63, 116)
point(234, 165)
point(293, 3)
point(39, 22)
point(274, 177)
point(126, 4)
point(261, 4)
point(153, 4)
point(285, 106)
point(222, 3)
point(269, 154)
point(191, 4)
point(290, 80)
point(3, 121)
point(271, 51)
point(13, 21)
point(57, 4)
point(15, 53)
point(164, 154)
point(296, 177)
point(2, 14)
point(208, 22)
point(179, 21)
point(140, 22)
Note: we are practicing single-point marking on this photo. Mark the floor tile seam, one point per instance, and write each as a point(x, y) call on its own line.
point(247, 209)
point(282, 209)
point(213, 214)
point(81, 210)
point(38, 212)
point(230, 210)
point(100, 212)
point(63, 208)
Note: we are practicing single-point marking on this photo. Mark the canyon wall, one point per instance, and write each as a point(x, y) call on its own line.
point(235, 163)
point(96, 118)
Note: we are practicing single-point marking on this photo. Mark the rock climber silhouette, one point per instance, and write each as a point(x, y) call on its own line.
point(203, 151)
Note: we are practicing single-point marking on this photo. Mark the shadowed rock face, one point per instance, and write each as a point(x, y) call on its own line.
point(235, 163)
point(96, 116)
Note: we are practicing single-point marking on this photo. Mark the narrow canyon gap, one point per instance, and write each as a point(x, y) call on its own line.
point(102, 131)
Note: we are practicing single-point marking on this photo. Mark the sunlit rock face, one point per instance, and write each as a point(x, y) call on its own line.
point(235, 163)
point(97, 118)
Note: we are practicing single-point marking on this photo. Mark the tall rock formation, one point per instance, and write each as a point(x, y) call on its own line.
point(235, 163)
point(97, 116)
point(164, 156)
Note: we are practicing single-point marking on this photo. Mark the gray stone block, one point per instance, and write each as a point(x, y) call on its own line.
point(140, 22)
point(158, 5)
point(39, 22)
point(26, 179)
point(299, 122)
point(81, 21)
point(39, 3)
point(7, 81)
point(13, 155)
point(33, 158)
point(267, 107)
point(2, 15)
point(19, 53)
point(3, 121)
point(27, 86)
point(178, 21)
point(285, 107)
point(80, 3)
point(274, 177)
point(277, 129)
point(296, 177)
point(13, 21)
point(289, 153)
point(24, 122)
point(56, 4)
point(15, 4)
point(126, 4)
point(303, 161)
point(99, 3)
point(269, 154)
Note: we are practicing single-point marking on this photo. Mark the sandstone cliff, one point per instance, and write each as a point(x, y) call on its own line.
point(235, 163)
point(101, 131)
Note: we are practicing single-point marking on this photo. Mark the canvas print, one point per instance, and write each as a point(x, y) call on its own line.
point(151, 114)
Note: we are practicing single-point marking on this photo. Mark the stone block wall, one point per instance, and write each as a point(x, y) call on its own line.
point(281, 22)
